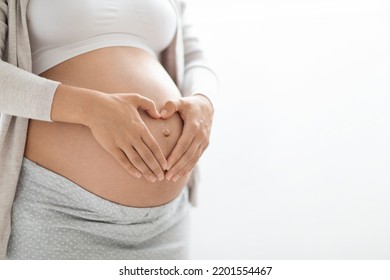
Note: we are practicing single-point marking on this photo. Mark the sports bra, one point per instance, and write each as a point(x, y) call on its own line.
point(62, 29)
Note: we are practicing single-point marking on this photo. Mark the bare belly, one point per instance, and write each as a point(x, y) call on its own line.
point(71, 150)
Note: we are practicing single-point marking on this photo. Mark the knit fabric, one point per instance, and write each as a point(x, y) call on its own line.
point(54, 218)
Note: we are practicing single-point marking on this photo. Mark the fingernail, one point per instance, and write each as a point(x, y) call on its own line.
point(176, 178)
point(169, 176)
point(160, 177)
point(152, 178)
point(137, 174)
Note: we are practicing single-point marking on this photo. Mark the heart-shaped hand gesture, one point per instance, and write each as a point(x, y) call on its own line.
point(197, 114)
point(118, 127)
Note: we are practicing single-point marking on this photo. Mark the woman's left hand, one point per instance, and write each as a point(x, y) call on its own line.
point(196, 112)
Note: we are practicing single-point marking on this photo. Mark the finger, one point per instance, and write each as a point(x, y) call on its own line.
point(181, 147)
point(148, 106)
point(150, 160)
point(190, 165)
point(138, 163)
point(183, 161)
point(155, 148)
point(171, 107)
point(123, 160)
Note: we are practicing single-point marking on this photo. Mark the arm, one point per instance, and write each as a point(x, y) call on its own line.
point(30, 96)
point(27, 95)
point(21, 93)
point(199, 77)
point(199, 87)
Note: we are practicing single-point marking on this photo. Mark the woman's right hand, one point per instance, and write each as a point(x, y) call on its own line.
point(116, 125)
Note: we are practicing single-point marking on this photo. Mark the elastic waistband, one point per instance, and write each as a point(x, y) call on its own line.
point(61, 194)
point(46, 58)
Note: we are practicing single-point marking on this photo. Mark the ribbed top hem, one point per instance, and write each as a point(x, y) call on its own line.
point(44, 59)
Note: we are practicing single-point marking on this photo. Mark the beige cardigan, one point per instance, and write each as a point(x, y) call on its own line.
point(24, 95)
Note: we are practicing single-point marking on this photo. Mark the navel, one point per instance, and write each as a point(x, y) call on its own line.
point(166, 132)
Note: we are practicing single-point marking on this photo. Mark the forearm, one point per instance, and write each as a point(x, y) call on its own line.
point(25, 94)
point(74, 104)
point(199, 75)
point(202, 81)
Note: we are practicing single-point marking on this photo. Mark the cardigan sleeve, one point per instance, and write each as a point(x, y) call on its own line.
point(199, 77)
point(22, 93)
point(3, 25)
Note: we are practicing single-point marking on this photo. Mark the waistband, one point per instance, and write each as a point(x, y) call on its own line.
point(47, 58)
point(60, 194)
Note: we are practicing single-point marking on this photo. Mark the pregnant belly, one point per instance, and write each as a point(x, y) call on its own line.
point(70, 150)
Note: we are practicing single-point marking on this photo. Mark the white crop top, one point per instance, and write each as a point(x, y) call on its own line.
point(62, 29)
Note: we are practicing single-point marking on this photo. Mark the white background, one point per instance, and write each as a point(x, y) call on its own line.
point(299, 164)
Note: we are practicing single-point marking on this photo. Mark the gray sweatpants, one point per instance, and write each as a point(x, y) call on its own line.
point(54, 218)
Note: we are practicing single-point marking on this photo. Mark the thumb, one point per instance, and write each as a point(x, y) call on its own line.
point(170, 107)
point(149, 107)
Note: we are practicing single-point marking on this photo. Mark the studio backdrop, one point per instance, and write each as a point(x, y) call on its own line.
point(299, 161)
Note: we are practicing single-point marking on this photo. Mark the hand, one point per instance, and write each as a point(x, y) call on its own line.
point(197, 114)
point(116, 124)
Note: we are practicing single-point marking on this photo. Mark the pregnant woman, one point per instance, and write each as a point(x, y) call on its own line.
point(105, 110)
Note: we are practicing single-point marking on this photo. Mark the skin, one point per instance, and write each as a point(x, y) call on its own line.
point(129, 127)
point(197, 113)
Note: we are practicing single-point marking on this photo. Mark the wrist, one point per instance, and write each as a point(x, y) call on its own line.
point(74, 104)
point(206, 100)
